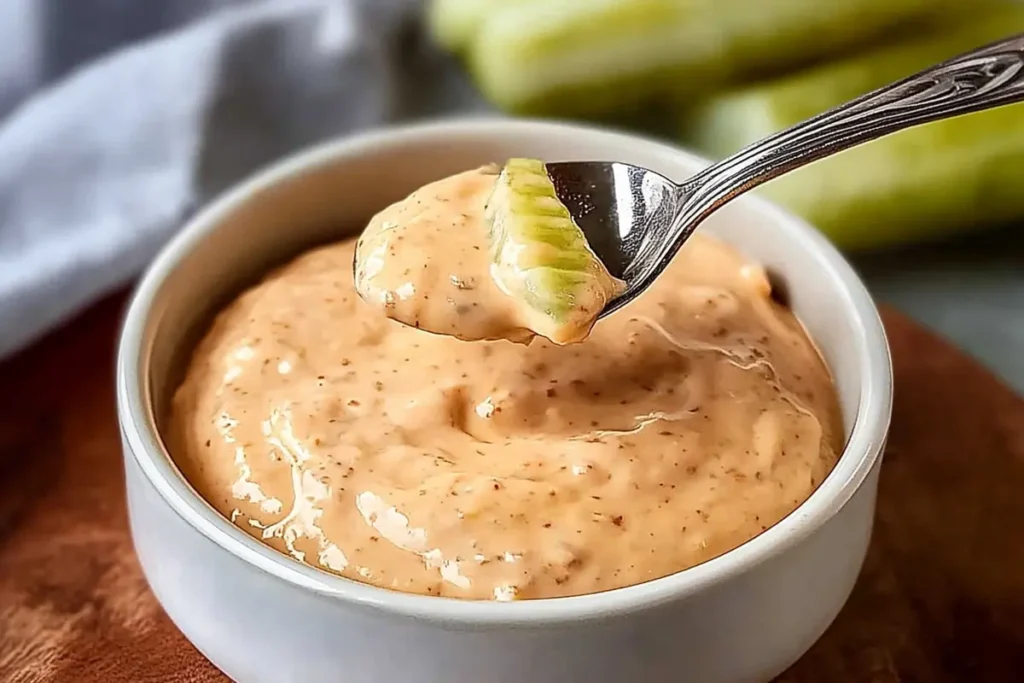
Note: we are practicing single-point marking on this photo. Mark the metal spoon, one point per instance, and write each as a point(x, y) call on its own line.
point(636, 220)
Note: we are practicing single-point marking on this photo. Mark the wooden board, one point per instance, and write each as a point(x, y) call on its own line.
point(941, 598)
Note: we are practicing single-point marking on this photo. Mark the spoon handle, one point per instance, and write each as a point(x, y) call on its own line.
point(988, 77)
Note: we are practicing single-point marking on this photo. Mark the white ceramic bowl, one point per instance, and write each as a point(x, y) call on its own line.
point(260, 616)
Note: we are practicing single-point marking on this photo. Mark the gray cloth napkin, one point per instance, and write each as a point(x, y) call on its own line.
point(146, 109)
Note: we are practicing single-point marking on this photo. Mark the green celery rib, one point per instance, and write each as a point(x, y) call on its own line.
point(723, 124)
point(959, 174)
point(592, 57)
point(452, 23)
point(924, 182)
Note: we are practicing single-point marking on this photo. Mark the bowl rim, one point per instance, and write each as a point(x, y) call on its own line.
point(143, 444)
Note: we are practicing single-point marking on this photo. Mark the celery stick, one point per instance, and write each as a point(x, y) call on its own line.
point(592, 57)
point(959, 174)
point(452, 23)
point(723, 124)
point(541, 257)
point(926, 181)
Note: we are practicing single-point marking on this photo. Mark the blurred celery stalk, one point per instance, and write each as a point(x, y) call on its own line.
point(598, 57)
point(961, 173)
point(452, 23)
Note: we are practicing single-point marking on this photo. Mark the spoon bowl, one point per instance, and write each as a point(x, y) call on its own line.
point(626, 212)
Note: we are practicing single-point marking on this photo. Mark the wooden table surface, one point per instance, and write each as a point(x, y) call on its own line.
point(941, 598)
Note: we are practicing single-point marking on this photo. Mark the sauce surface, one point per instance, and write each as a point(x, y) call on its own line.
point(684, 425)
point(425, 261)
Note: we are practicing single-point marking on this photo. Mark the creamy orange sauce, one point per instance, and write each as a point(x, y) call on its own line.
point(684, 425)
point(427, 261)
